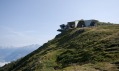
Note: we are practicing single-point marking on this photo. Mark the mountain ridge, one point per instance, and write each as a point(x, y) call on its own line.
point(84, 49)
point(8, 54)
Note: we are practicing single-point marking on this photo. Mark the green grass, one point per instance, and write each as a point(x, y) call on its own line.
point(84, 49)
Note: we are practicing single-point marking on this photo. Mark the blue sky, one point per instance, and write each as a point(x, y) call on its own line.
point(25, 22)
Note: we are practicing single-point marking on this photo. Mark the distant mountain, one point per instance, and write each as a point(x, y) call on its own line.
point(8, 54)
point(79, 49)
point(5, 52)
point(3, 63)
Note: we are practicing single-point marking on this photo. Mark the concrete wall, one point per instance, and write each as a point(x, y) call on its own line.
point(87, 22)
point(76, 22)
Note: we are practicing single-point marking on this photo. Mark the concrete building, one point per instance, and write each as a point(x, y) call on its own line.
point(63, 27)
point(77, 24)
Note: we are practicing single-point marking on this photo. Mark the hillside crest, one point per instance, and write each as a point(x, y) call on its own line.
point(84, 49)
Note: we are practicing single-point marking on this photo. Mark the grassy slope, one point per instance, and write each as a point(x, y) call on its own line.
point(86, 49)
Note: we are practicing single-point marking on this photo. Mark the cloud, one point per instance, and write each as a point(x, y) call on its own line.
point(12, 32)
point(3, 63)
point(6, 31)
point(12, 37)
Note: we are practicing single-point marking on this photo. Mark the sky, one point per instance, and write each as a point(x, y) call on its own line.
point(26, 22)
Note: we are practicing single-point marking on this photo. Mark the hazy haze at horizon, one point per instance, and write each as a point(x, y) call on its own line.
point(26, 22)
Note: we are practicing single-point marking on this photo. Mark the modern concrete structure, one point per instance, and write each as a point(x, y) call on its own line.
point(77, 24)
point(63, 27)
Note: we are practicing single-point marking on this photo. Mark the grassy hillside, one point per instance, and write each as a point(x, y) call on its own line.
point(79, 49)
